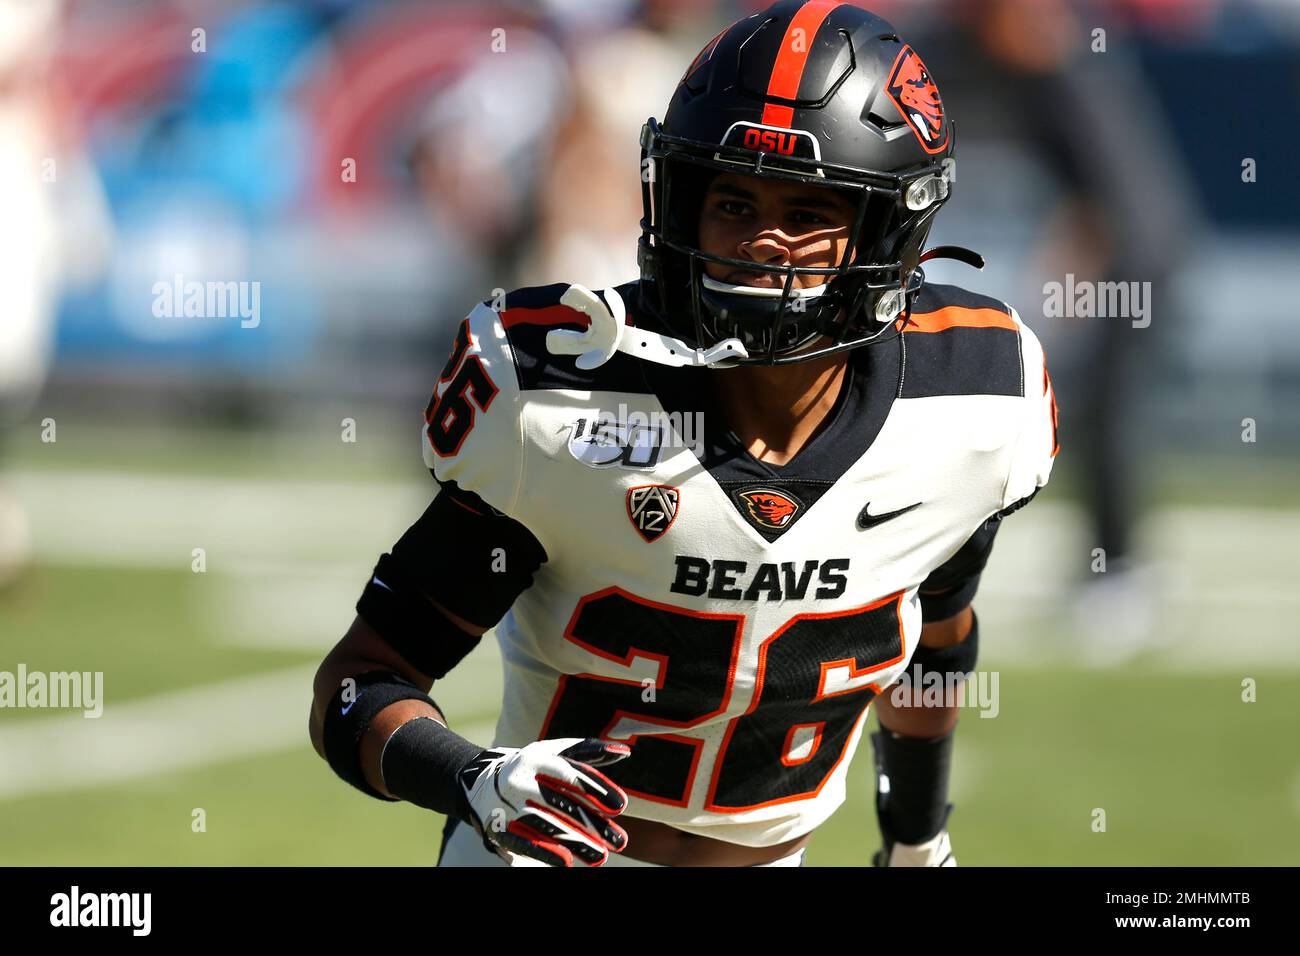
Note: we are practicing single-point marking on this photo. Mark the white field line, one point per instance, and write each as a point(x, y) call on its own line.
point(1218, 589)
point(1225, 592)
point(201, 726)
point(177, 731)
point(248, 526)
point(149, 520)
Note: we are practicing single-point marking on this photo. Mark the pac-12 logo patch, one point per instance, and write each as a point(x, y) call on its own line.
point(652, 508)
point(916, 95)
point(770, 509)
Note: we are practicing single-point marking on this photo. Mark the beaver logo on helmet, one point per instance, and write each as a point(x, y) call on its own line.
point(915, 94)
point(770, 509)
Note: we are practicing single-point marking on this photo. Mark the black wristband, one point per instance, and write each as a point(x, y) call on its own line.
point(348, 715)
point(941, 605)
point(421, 762)
point(912, 796)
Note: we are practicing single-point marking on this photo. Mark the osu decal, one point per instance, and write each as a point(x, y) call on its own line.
point(652, 508)
point(915, 94)
point(772, 139)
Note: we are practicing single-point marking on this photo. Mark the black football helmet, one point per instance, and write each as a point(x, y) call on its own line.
point(810, 91)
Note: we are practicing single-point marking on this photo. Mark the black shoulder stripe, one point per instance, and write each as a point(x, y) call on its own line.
point(962, 361)
point(961, 343)
point(533, 297)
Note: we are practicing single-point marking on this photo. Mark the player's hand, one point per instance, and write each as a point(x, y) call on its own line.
point(546, 801)
point(936, 851)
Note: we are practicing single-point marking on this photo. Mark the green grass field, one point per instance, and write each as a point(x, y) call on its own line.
point(1185, 771)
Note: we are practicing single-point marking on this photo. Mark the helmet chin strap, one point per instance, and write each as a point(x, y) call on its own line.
point(607, 332)
point(889, 306)
point(751, 312)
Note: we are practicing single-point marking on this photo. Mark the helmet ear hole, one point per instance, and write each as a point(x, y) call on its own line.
point(909, 252)
point(878, 224)
point(690, 184)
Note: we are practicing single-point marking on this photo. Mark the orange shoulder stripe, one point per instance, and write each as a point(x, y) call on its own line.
point(955, 316)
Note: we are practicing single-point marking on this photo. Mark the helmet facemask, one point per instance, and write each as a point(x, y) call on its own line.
point(857, 302)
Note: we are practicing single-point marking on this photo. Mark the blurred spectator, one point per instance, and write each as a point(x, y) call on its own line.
point(479, 151)
point(591, 191)
point(481, 167)
point(1123, 212)
point(28, 234)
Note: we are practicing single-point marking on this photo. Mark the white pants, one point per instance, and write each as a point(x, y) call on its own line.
point(465, 848)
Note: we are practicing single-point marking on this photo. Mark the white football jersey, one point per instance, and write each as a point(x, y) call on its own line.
point(731, 619)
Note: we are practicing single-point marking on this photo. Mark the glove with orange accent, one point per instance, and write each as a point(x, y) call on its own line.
point(547, 802)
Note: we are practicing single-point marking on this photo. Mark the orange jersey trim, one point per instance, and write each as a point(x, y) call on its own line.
point(954, 317)
point(550, 315)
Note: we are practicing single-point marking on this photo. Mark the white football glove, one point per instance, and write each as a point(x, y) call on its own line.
point(546, 802)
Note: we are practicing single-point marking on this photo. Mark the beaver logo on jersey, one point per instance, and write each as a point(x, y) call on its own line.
point(770, 509)
point(915, 94)
point(652, 508)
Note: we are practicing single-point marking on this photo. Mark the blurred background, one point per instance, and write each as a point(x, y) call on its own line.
point(191, 505)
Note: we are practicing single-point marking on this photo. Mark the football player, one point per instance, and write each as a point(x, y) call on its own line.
point(692, 630)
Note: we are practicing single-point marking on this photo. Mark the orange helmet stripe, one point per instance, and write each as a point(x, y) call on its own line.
point(791, 58)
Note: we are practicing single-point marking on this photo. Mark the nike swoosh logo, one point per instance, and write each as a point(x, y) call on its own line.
point(376, 580)
point(867, 520)
point(351, 704)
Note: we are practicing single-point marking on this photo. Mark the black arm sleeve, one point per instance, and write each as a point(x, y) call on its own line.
point(470, 558)
point(951, 586)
